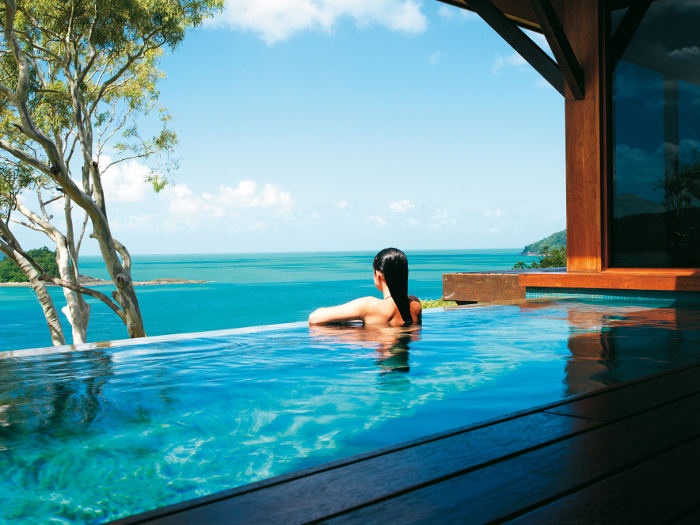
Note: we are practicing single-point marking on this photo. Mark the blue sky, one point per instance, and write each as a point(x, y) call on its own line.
point(324, 125)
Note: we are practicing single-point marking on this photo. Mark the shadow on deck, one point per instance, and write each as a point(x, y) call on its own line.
point(626, 454)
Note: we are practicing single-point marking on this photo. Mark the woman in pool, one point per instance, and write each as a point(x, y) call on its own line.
point(396, 308)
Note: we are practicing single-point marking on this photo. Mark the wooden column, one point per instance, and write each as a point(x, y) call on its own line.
point(584, 156)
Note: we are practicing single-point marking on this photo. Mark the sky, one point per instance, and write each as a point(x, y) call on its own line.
point(344, 125)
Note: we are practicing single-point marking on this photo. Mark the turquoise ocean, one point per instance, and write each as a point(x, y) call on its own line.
point(240, 290)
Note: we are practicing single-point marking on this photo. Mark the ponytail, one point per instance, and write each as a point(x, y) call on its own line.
point(393, 264)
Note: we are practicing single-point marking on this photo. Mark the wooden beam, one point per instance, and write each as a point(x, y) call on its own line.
point(581, 20)
point(628, 26)
point(560, 46)
point(512, 34)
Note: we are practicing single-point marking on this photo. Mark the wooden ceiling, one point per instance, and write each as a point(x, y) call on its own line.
point(518, 11)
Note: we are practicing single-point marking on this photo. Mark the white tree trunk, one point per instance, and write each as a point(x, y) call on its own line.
point(41, 291)
point(47, 305)
point(77, 311)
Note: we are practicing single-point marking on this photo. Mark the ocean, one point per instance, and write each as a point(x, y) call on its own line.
point(240, 290)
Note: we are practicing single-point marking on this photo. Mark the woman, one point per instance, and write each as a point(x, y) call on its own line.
point(396, 308)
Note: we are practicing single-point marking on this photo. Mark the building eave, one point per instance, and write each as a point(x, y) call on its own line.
point(520, 12)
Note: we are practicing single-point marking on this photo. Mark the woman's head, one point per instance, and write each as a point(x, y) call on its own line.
point(393, 265)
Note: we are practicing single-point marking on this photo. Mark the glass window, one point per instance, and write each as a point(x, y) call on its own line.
point(655, 181)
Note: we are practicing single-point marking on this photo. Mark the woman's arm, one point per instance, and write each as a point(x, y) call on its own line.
point(351, 311)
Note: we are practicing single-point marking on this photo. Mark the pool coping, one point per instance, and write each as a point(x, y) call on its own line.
point(533, 295)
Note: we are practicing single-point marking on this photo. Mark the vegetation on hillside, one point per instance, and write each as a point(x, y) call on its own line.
point(551, 251)
point(551, 258)
point(11, 273)
point(554, 241)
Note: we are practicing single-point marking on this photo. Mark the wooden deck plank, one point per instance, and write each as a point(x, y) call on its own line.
point(536, 477)
point(628, 497)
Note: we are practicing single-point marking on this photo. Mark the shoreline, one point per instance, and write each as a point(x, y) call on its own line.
point(103, 282)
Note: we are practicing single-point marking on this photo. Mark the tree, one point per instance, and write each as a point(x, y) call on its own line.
point(549, 258)
point(75, 77)
point(11, 273)
point(13, 180)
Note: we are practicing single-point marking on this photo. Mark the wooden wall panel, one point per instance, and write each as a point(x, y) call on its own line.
point(616, 279)
point(481, 287)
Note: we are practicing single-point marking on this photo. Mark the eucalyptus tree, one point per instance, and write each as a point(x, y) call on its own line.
point(77, 80)
point(13, 180)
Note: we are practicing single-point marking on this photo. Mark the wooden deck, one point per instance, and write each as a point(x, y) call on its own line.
point(626, 454)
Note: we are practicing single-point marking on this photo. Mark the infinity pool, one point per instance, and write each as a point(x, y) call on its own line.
point(109, 430)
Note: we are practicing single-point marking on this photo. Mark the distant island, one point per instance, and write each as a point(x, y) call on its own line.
point(556, 240)
point(92, 281)
point(11, 275)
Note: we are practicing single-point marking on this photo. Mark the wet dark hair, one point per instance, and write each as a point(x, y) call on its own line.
point(393, 263)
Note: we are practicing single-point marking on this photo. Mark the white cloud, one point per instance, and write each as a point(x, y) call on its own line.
point(451, 12)
point(341, 205)
point(247, 195)
point(441, 219)
point(401, 206)
point(228, 201)
point(277, 20)
point(126, 182)
point(513, 60)
point(686, 53)
point(379, 222)
point(494, 213)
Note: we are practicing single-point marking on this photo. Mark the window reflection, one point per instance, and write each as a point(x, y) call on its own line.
point(655, 212)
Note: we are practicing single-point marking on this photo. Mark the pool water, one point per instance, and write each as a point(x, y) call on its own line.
point(115, 429)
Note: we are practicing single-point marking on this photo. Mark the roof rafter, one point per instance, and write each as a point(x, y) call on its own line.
point(628, 26)
point(560, 46)
point(523, 44)
point(565, 69)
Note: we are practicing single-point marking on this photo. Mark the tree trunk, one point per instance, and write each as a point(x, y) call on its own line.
point(120, 271)
point(49, 308)
point(47, 305)
point(76, 310)
point(7, 241)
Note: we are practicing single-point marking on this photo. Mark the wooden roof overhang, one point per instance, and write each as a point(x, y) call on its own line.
point(508, 17)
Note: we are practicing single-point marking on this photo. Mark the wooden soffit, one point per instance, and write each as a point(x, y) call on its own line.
point(519, 12)
point(509, 17)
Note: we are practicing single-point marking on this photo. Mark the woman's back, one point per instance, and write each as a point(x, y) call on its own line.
point(370, 310)
point(385, 312)
point(396, 308)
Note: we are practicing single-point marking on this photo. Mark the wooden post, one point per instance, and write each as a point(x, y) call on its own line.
point(584, 156)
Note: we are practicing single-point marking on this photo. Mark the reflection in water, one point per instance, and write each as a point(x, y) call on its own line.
point(60, 395)
point(391, 343)
point(617, 345)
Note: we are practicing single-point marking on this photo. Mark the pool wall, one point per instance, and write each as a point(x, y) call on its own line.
point(514, 285)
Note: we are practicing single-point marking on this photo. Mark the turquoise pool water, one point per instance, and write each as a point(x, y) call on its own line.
point(111, 430)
